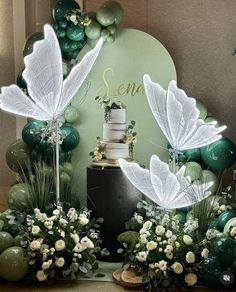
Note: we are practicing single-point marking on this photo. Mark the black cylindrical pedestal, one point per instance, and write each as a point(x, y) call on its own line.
point(112, 197)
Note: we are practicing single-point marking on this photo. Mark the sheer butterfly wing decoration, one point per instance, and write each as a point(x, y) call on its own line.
point(178, 117)
point(48, 93)
point(166, 189)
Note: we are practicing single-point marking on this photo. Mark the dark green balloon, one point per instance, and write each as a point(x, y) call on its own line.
point(63, 23)
point(14, 264)
point(225, 217)
point(28, 135)
point(62, 7)
point(18, 196)
point(219, 155)
point(193, 154)
point(75, 32)
point(17, 156)
point(6, 240)
point(20, 81)
point(65, 45)
point(116, 9)
point(222, 248)
point(211, 270)
point(71, 138)
point(61, 32)
point(72, 55)
point(65, 156)
point(29, 44)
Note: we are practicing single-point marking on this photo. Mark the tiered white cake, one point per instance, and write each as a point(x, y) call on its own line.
point(113, 134)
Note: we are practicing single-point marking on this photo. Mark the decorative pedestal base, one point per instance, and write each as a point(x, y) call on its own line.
point(112, 197)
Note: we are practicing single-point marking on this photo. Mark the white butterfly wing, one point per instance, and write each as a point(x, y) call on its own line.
point(163, 181)
point(13, 100)
point(43, 72)
point(140, 178)
point(77, 76)
point(156, 97)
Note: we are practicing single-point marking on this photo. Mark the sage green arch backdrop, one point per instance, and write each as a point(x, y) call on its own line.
point(119, 71)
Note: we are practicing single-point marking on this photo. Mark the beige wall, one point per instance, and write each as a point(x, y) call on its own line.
point(7, 67)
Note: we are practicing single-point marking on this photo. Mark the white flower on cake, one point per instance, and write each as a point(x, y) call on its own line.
point(151, 245)
point(142, 256)
point(190, 279)
point(187, 239)
point(177, 268)
point(41, 276)
point(60, 245)
point(190, 257)
point(160, 230)
point(60, 262)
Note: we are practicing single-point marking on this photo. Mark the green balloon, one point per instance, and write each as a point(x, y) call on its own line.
point(68, 168)
point(110, 39)
point(63, 23)
point(62, 7)
point(116, 9)
point(72, 55)
point(17, 240)
point(211, 120)
point(105, 33)
point(229, 224)
point(222, 248)
point(219, 155)
point(105, 16)
point(112, 29)
point(28, 133)
point(194, 170)
point(1, 224)
point(65, 156)
point(14, 264)
point(211, 270)
point(20, 81)
point(92, 43)
point(75, 32)
point(214, 224)
point(6, 240)
point(193, 154)
point(181, 217)
point(65, 45)
point(65, 178)
point(93, 30)
point(225, 217)
point(61, 32)
point(71, 138)
point(71, 114)
point(209, 176)
point(17, 156)
point(29, 44)
point(18, 196)
point(202, 109)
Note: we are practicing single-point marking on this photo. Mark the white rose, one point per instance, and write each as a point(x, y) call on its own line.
point(41, 276)
point(63, 221)
point(143, 239)
point(162, 265)
point(187, 239)
point(223, 208)
point(75, 237)
point(190, 279)
point(190, 257)
point(160, 230)
point(233, 231)
point(56, 212)
point(86, 242)
point(169, 233)
point(78, 247)
point(141, 256)
point(177, 244)
point(205, 253)
point(60, 262)
point(151, 245)
point(35, 230)
point(170, 256)
point(46, 265)
point(177, 268)
point(168, 249)
point(147, 225)
point(83, 220)
point(60, 245)
point(35, 245)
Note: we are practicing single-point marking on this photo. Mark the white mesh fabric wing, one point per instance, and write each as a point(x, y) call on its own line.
point(156, 97)
point(77, 76)
point(43, 72)
point(140, 178)
point(178, 117)
point(163, 181)
point(13, 100)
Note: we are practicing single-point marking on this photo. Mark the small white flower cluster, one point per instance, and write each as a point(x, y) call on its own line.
point(166, 246)
point(221, 208)
point(60, 241)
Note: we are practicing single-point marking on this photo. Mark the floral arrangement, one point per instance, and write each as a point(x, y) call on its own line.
point(98, 153)
point(130, 138)
point(61, 245)
point(170, 251)
point(108, 103)
point(78, 18)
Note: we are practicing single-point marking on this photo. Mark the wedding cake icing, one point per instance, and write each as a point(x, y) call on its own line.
point(114, 131)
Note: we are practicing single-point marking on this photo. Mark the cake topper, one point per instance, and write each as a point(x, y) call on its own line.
point(48, 93)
